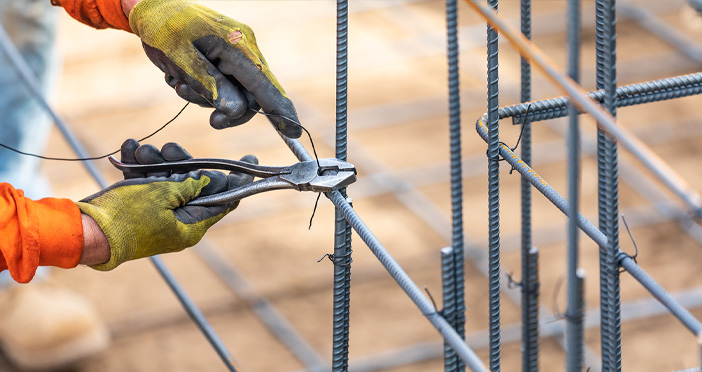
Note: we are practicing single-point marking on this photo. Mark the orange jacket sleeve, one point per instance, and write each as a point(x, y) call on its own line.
point(46, 232)
point(97, 13)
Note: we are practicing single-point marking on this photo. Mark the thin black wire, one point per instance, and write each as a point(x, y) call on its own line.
point(314, 211)
point(95, 157)
point(314, 150)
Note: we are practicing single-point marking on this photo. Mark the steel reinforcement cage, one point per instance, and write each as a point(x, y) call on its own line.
point(450, 320)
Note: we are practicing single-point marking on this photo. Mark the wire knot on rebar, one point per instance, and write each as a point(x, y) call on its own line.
point(342, 260)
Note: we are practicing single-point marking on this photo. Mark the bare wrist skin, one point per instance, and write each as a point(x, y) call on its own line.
point(127, 6)
point(96, 249)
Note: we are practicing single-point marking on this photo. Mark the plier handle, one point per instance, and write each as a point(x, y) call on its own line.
point(324, 176)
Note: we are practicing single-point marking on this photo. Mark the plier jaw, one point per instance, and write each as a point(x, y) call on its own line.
point(323, 175)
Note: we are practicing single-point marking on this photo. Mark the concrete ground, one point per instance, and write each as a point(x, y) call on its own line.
point(398, 129)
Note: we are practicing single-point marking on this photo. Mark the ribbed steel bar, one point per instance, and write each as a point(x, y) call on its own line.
point(341, 290)
point(493, 160)
point(604, 119)
point(628, 95)
point(608, 188)
point(530, 301)
point(595, 234)
point(406, 283)
point(342, 232)
point(530, 276)
point(457, 319)
point(575, 334)
point(574, 321)
point(448, 287)
point(192, 310)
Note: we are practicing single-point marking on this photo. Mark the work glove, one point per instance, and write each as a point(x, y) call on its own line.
point(132, 152)
point(146, 216)
point(212, 60)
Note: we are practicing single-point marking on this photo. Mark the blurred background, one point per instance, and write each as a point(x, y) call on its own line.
point(398, 139)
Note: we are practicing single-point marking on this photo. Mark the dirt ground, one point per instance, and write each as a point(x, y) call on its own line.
point(109, 92)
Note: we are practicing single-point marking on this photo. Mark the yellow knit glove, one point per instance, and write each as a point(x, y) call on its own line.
point(142, 217)
point(212, 60)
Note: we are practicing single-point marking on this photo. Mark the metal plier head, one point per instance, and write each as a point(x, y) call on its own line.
point(323, 175)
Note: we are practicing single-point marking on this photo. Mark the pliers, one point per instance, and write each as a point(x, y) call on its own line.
point(323, 175)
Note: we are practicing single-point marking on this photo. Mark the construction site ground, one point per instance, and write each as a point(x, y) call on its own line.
point(398, 139)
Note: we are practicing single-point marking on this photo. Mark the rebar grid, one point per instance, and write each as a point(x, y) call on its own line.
point(691, 323)
point(612, 257)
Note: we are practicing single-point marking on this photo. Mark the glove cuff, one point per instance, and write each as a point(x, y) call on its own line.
point(154, 12)
point(119, 233)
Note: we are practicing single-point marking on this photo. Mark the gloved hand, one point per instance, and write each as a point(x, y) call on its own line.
point(133, 153)
point(145, 216)
point(212, 60)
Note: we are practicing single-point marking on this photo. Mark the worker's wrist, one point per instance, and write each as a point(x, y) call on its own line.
point(127, 6)
point(96, 249)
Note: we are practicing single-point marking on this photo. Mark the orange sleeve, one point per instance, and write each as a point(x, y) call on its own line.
point(46, 232)
point(97, 13)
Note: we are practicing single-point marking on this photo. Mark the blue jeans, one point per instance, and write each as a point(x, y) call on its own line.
point(24, 124)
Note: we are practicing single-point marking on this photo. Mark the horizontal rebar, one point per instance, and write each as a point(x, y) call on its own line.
point(628, 95)
point(406, 283)
point(595, 234)
point(606, 122)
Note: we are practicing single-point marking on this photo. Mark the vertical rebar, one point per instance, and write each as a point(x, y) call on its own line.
point(574, 334)
point(608, 189)
point(493, 154)
point(448, 286)
point(530, 293)
point(342, 233)
point(574, 325)
point(405, 282)
point(458, 312)
point(530, 306)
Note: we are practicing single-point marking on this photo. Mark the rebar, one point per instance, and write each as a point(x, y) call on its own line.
point(574, 328)
point(30, 81)
point(457, 318)
point(689, 321)
point(342, 232)
point(608, 188)
point(530, 277)
point(406, 283)
point(628, 95)
point(448, 286)
point(604, 119)
point(493, 144)
point(574, 325)
point(530, 304)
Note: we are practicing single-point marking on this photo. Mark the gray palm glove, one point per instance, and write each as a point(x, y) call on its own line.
point(146, 215)
point(133, 153)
